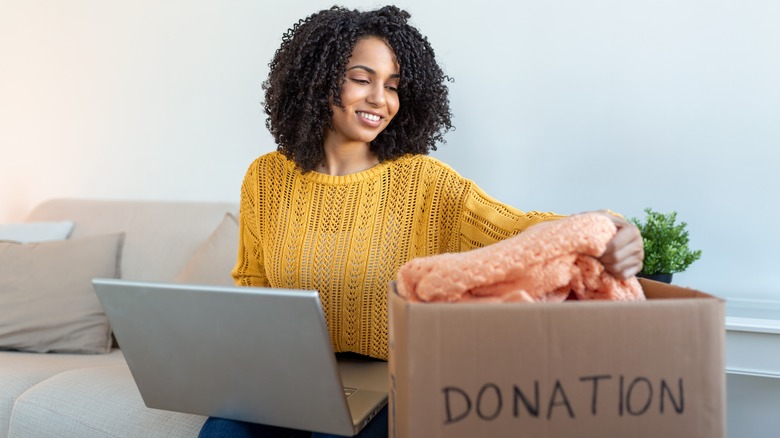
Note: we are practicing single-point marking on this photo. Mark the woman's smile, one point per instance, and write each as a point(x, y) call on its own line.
point(370, 119)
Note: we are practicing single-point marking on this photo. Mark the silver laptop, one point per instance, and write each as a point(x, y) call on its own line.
point(252, 354)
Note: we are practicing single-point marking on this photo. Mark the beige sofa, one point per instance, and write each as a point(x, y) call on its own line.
point(94, 395)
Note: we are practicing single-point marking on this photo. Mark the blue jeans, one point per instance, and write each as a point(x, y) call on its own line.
point(218, 427)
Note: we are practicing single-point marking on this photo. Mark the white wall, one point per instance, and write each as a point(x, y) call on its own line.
point(563, 105)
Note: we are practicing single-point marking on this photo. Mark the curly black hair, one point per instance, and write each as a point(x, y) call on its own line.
point(308, 70)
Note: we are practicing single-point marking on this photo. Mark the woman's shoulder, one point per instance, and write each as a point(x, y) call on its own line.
point(270, 157)
point(425, 162)
point(268, 168)
point(273, 159)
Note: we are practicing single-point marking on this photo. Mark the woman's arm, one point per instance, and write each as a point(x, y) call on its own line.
point(249, 269)
point(486, 221)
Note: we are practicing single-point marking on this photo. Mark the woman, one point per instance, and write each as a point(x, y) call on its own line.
point(355, 101)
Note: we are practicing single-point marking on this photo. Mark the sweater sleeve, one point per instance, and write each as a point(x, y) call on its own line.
point(249, 269)
point(485, 221)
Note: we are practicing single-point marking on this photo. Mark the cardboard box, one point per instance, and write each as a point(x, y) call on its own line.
point(574, 369)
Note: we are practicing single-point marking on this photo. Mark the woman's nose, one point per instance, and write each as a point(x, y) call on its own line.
point(377, 95)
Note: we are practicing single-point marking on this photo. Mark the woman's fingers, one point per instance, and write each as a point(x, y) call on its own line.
point(625, 252)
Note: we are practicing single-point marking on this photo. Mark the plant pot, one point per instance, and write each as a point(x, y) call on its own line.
point(663, 278)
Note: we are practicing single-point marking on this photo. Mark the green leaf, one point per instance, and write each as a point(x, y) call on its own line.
point(666, 243)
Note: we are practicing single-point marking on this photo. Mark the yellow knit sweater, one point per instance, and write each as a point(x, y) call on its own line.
point(346, 236)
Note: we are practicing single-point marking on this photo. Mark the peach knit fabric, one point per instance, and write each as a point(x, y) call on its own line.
point(551, 261)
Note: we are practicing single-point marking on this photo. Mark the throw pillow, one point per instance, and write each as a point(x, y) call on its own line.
point(47, 302)
point(36, 231)
point(212, 262)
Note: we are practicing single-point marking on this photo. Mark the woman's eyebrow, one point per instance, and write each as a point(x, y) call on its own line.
point(371, 70)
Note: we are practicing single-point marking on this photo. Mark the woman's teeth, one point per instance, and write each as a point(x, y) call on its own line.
point(372, 117)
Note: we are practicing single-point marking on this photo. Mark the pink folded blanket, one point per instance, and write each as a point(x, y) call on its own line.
point(551, 261)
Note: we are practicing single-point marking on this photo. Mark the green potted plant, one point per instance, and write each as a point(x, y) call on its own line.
point(666, 245)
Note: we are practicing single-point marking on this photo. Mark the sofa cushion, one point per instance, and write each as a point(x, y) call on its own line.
point(21, 371)
point(36, 231)
point(95, 402)
point(47, 302)
point(160, 236)
point(214, 259)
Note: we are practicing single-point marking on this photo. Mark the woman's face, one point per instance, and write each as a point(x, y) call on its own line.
point(369, 93)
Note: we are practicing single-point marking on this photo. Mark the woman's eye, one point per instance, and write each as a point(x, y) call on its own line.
point(360, 81)
point(392, 88)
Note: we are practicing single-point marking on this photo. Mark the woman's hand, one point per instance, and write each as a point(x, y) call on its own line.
point(626, 251)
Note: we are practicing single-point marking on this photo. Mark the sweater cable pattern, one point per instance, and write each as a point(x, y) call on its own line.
point(346, 236)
